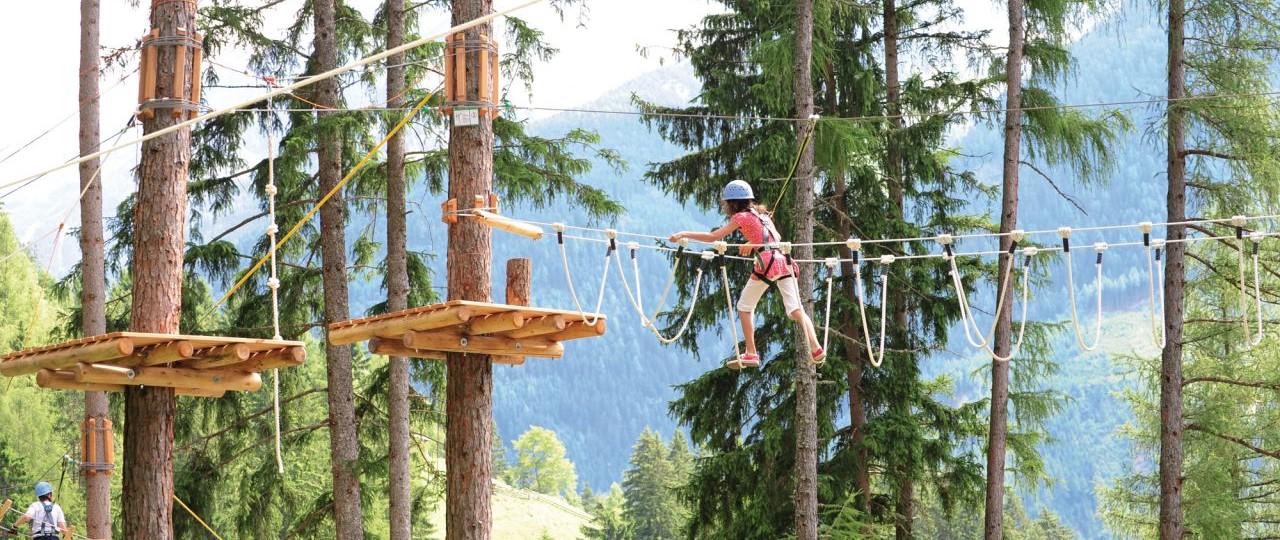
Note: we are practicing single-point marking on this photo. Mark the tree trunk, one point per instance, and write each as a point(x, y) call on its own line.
point(1171, 527)
point(999, 430)
point(159, 240)
point(469, 383)
point(343, 443)
point(93, 279)
point(857, 357)
point(399, 457)
point(905, 505)
point(806, 496)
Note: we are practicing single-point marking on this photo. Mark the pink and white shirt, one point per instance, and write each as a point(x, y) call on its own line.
point(759, 229)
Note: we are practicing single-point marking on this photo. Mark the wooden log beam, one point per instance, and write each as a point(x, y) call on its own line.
point(221, 356)
point(171, 378)
point(448, 342)
point(66, 357)
point(164, 353)
point(66, 380)
point(272, 359)
point(496, 323)
point(579, 330)
point(541, 326)
point(498, 222)
point(397, 326)
point(389, 347)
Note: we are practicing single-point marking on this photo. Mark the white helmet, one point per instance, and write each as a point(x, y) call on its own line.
point(737, 190)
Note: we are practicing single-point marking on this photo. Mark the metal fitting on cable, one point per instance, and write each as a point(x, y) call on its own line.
point(785, 247)
point(1065, 233)
point(720, 246)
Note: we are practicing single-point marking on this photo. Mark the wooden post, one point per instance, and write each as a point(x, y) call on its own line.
point(459, 67)
point(483, 52)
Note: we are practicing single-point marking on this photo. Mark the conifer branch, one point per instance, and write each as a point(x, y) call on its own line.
point(1210, 153)
point(1055, 187)
point(1251, 384)
point(1241, 442)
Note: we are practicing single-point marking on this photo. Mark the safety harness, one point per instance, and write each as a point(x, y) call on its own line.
point(770, 245)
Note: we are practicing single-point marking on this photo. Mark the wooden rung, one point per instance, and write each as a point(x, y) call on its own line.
point(579, 330)
point(221, 356)
point(176, 351)
point(447, 342)
point(498, 222)
point(459, 67)
point(66, 380)
point(64, 358)
point(540, 326)
point(498, 322)
point(172, 378)
point(390, 328)
point(275, 358)
point(448, 68)
point(4, 509)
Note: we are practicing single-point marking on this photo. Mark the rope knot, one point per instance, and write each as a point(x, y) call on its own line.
point(272, 229)
point(1017, 235)
point(1238, 221)
point(887, 259)
point(832, 262)
point(854, 244)
point(720, 246)
point(1064, 232)
point(1030, 251)
point(611, 234)
point(1157, 243)
point(1100, 247)
point(557, 227)
point(785, 247)
point(272, 190)
point(683, 242)
point(1145, 227)
point(273, 283)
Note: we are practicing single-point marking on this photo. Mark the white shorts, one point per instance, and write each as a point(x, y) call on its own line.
point(755, 288)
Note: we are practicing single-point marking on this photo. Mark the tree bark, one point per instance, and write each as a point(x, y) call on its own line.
point(469, 382)
point(1171, 526)
point(999, 429)
point(344, 448)
point(159, 240)
point(93, 280)
point(399, 456)
point(806, 495)
point(904, 513)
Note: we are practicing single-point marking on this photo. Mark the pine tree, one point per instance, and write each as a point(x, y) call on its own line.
point(608, 518)
point(651, 507)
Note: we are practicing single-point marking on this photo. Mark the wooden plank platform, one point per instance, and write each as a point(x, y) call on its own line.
point(507, 333)
point(194, 365)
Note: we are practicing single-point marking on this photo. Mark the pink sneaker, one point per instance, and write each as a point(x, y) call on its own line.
point(819, 356)
point(744, 361)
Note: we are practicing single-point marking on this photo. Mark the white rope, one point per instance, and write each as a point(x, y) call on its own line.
point(1254, 239)
point(1157, 325)
point(1099, 248)
point(697, 283)
point(284, 89)
point(728, 300)
point(876, 359)
point(969, 322)
point(826, 323)
point(604, 278)
point(273, 283)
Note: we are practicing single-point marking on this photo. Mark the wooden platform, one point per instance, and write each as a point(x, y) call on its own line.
point(193, 365)
point(508, 333)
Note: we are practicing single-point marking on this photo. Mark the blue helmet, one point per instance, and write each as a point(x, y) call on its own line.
point(737, 190)
point(43, 488)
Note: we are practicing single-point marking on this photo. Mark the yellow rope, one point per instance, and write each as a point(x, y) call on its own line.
point(795, 164)
point(193, 514)
point(369, 156)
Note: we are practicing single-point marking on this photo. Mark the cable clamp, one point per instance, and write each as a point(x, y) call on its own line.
point(557, 227)
point(785, 247)
point(832, 262)
point(887, 259)
point(854, 244)
point(683, 242)
point(720, 246)
point(1238, 221)
point(1017, 235)
point(1145, 227)
point(945, 239)
point(1030, 251)
point(1064, 232)
point(611, 234)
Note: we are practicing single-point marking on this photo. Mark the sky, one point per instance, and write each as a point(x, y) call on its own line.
point(598, 52)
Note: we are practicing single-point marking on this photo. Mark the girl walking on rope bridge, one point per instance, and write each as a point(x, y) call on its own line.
point(772, 267)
